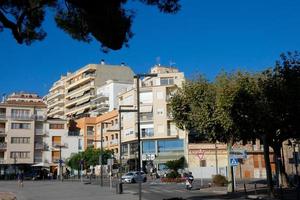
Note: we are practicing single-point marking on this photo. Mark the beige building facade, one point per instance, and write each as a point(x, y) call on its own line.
point(22, 117)
point(160, 139)
point(72, 96)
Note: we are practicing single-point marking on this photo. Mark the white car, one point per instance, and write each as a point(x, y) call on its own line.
point(132, 177)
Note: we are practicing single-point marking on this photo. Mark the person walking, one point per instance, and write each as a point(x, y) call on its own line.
point(20, 178)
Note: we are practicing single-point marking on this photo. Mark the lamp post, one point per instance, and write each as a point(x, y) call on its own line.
point(60, 146)
point(101, 153)
point(137, 77)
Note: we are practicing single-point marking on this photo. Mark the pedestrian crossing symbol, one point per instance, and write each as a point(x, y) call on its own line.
point(234, 162)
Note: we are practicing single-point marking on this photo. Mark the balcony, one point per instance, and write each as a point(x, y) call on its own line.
point(114, 142)
point(2, 116)
point(77, 99)
point(55, 159)
point(2, 132)
point(41, 146)
point(58, 145)
point(78, 108)
point(22, 117)
point(2, 161)
point(54, 95)
point(90, 133)
point(41, 132)
point(38, 159)
point(3, 146)
point(146, 117)
point(84, 78)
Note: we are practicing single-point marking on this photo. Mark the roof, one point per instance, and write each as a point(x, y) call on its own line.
point(23, 104)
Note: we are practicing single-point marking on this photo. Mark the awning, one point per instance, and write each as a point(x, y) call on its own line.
point(83, 101)
point(145, 109)
point(41, 164)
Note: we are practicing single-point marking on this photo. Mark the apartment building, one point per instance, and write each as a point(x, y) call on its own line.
point(56, 99)
point(106, 125)
point(161, 140)
point(72, 95)
point(106, 98)
point(21, 131)
point(62, 143)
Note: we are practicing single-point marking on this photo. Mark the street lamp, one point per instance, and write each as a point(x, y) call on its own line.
point(60, 146)
point(137, 77)
point(101, 153)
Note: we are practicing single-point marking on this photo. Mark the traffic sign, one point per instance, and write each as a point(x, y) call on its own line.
point(234, 162)
point(238, 153)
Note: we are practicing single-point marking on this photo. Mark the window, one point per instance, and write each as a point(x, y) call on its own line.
point(79, 144)
point(147, 132)
point(166, 81)
point(116, 136)
point(112, 137)
point(170, 145)
point(20, 125)
point(116, 121)
point(146, 97)
point(56, 126)
point(19, 154)
point(124, 149)
point(202, 163)
point(20, 113)
point(90, 130)
point(149, 146)
point(20, 140)
point(133, 148)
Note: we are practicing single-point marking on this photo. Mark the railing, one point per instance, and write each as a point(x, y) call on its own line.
point(3, 145)
point(2, 161)
point(41, 146)
point(77, 98)
point(2, 130)
point(146, 117)
point(73, 83)
point(2, 116)
point(38, 159)
point(40, 132)
point(90, 132)
point(59, 144)
point(78, 107)
point(55, 160)
point(115, 141)
point(73, 133)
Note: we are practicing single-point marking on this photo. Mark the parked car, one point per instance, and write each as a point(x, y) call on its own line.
point(132, 177)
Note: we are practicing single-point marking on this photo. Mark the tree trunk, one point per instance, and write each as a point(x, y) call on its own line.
point(268, 166)
point(280, 170)
point(230, 186)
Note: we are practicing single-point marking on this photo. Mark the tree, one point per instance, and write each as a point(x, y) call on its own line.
point(107, 21)
point(270, 109)
point(90, 157)
point(174, 165)
point(208, 109)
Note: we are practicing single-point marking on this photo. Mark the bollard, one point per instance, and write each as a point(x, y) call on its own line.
point(255, 189)
point(245, 189)
point(119, 188)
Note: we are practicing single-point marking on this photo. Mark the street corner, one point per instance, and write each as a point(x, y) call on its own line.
point(7, 196)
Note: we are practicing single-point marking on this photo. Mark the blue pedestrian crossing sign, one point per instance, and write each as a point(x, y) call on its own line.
point(234, 162)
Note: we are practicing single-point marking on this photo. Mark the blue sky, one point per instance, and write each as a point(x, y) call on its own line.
point(204, 37)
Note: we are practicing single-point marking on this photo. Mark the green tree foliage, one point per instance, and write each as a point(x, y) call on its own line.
point(174, 165)
point(90, 157)
point(108, 21)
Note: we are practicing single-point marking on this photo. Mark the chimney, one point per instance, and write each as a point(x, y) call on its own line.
point(102, 62)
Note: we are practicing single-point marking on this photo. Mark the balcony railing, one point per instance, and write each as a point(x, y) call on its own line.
point(146, 117)
point(2, 131)
point(114, 142)
point(3, 146)
point(59, 145)
point(68, 102)
point(55, 160)
point(78, 107)
point(41, 132)
point(38, 159)
point(41, 146)
point(2, 116)
point(90, 132)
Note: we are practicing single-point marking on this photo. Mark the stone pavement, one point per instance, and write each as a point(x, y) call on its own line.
point(55, 190)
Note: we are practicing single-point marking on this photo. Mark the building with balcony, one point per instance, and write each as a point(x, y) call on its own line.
point(56, 99)
point(107, 124)
point(72, 96)
point(61, 143)
point(106, 98)
point(22, 117)
point(160, 139)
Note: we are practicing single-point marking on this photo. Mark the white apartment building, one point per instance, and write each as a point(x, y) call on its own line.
point(56, 99)
point(160, 139)
point(106, 98)
point(21, 131)
point(62, 143)
point(80, 89)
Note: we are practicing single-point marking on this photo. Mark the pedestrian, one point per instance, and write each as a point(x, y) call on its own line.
point(20, 178)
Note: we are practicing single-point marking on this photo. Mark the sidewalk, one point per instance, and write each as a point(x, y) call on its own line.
point(49, 190)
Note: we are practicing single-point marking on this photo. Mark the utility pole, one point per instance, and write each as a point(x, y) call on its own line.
point(137, 77)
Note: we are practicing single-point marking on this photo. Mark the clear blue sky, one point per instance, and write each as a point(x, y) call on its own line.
point(204, 37)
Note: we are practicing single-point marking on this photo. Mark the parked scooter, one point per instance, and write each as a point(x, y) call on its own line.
point(189, 181)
